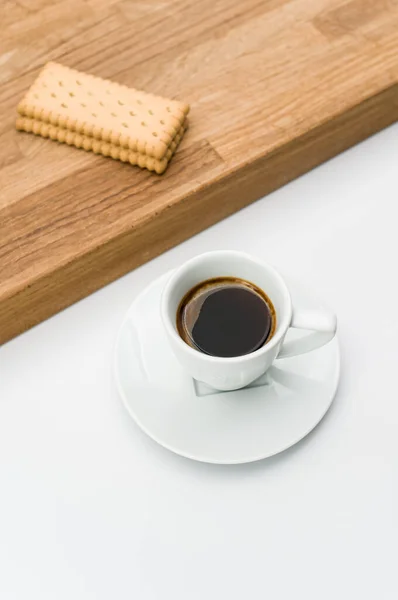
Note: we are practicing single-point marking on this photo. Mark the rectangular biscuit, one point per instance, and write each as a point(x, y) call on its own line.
point(104, 110)
point(99, 147)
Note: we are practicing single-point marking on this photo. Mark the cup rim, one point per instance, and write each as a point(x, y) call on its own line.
point(186, 266)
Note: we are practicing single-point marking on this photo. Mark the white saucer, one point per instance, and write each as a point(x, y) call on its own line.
point(198, 422)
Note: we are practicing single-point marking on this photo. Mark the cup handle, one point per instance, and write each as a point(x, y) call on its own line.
point(322, 326)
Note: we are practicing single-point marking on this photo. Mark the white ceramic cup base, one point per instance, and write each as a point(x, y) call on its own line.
point(194, 420)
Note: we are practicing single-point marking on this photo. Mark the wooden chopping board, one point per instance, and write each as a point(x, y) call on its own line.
point(275, 86)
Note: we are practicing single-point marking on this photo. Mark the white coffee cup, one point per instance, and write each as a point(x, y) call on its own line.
point(237, 372)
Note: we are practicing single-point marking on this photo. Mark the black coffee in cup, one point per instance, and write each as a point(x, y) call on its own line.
point(226, 316)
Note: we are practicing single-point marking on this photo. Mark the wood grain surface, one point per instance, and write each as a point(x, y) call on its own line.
point(275, 87)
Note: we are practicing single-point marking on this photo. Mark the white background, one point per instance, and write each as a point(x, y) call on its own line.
point(92, 509)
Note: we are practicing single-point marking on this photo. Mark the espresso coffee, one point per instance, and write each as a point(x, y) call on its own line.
point(226, 317)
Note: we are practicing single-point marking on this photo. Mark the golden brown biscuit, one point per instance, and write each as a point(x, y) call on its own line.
point(104, 110)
